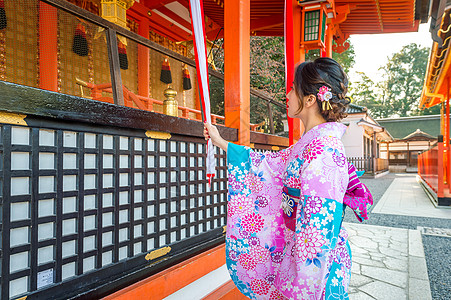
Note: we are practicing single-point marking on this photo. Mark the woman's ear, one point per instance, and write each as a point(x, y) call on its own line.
point(310, 100)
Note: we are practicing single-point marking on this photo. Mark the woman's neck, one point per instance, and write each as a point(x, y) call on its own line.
point(309, 123)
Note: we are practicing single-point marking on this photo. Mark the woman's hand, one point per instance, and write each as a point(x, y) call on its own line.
point(211, 132)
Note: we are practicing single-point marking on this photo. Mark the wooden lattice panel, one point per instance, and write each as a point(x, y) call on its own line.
point(21, 42)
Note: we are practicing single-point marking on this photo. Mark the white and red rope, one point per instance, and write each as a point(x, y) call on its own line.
point(197, 21)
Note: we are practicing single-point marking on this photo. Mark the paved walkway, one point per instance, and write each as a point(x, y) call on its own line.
point(406, 197)
point(387, 263)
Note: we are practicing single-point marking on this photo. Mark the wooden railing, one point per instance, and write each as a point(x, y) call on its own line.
point(145, 103)
point(362, 163)
point(428, 168)
point(367, 164)
point(433, 169)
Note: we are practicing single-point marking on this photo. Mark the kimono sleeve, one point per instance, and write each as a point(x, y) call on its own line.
point(243, 157)
point(357, 196)
point(255, 225)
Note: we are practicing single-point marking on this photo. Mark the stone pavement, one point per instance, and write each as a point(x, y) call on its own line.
point(405, 196)
point(387, 263)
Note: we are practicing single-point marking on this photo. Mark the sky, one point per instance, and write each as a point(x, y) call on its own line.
point(372, 50)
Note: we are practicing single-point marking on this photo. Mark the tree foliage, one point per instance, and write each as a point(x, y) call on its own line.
point(398, 94)
point(363, 93)
point(404, 75)
point(345, 59)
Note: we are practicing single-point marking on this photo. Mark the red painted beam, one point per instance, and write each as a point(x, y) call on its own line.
point(162, 26)
point(175, 17)
point(151, 4)
point(211, 35)
point(267, 22)
point(157, 27)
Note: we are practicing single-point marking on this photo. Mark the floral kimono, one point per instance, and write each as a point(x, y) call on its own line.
point(285, 238)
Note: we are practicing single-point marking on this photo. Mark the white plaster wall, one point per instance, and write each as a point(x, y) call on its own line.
point(383, 151)
point(353, 140)
point(416, 145)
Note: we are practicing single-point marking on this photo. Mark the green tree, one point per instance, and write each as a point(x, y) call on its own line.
point(404, 76)
point(364, 93)
point(345, 59)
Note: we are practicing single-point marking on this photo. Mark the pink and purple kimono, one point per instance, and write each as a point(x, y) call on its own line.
point(285, 238)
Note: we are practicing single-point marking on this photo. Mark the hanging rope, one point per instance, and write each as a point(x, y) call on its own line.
point(200, 51)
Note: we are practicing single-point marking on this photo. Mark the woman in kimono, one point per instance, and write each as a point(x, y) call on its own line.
point(285, 238)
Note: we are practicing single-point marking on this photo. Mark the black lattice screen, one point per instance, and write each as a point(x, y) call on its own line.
point(76, 202)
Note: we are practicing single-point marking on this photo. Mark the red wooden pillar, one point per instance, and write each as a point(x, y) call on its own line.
point(294, 56)
point(48, 60)
point(447, 137)
point(329, 41)
point(236, 67)
point(143, 60)
point(440, 167)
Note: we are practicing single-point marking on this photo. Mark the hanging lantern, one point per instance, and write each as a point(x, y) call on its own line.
point(116, 11)
point(123, 60)
point(186, 79)
point(165, 75)
point(3, 20)
point(80, 43)
point(314, 17)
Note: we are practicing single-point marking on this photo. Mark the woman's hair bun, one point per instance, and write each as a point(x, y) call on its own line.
point(310, 76)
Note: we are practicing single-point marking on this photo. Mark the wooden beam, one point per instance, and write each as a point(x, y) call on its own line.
point(175, 17)
point(267, 22)
point(161, 30)
point(446, 137)
point(152, 4)
point(298, 57)
point(211, 35)
point(168, 29)
point(115, 70)
point(329, 41)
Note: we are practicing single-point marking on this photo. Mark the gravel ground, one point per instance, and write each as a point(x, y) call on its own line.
point(399, 221)
point(438, 261)
point(437, 249)
point(379, 185)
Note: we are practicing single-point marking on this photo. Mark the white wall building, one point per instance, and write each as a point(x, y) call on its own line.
point(363, 140)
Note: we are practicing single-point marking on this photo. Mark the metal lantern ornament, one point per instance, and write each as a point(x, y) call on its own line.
point(314, 17)
point(116, 11)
